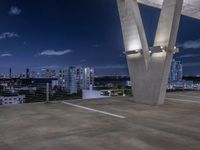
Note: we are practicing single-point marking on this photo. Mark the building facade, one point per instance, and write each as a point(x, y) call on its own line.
point(88, 81)
point(9, 100)
point(80, 78)
point(74, 79)
point(48, 73)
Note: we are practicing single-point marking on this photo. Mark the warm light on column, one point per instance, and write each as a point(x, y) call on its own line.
point(134, 45)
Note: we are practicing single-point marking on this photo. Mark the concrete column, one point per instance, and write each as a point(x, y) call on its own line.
point(149, 73)
point(133, 29)
point(166, 36)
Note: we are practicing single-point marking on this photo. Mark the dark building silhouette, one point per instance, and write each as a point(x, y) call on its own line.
point(27, 73)
point(10, 73)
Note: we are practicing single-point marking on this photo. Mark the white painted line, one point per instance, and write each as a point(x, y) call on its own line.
point(94, 110)
point(183, 95)
point(181, 100)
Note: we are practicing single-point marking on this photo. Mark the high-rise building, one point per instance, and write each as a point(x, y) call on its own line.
point(62, 76)
point(88, 81)
point(176, 73)
point(72, 80)
point(79, 78)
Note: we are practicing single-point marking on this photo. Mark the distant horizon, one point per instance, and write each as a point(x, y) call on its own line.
point(22, 70)
point(98, 72)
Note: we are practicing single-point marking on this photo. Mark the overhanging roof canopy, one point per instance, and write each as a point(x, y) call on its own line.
point(191, 8)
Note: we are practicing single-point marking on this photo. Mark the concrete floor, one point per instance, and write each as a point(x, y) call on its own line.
point(173, 126)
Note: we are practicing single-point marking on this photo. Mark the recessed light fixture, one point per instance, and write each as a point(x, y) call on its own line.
point(157, 49)
point(130, 52)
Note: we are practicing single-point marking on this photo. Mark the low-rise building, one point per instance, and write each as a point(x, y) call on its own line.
point(9, 100)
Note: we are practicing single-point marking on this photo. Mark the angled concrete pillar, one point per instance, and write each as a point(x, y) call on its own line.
point(149, 67)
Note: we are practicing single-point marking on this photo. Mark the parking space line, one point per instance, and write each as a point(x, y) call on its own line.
point(94, 110)
point(181, 100)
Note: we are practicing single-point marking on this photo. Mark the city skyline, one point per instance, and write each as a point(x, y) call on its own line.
point(55, 34)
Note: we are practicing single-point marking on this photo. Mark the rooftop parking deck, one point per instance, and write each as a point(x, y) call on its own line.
point(106, 124)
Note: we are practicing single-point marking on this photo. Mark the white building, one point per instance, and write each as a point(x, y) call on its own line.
point(88, 80)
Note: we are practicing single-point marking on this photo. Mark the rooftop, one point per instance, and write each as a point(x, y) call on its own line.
point(108, 124)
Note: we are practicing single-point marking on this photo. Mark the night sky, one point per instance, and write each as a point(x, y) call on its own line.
point(57, 33)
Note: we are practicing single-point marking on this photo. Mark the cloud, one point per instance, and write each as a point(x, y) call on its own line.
point(6, 55)
point(14, 11)
point(117, 66)
point(196, 64)
point(191, 44)
point(189, 55)
point(55, 53)
point(7, 35)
